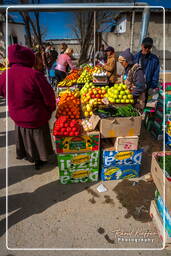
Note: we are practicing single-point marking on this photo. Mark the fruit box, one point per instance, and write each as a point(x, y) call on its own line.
point(166, 215)
point(81, 167)
point(117, 127)
point(157, 220)
point(78, 161)
point(159, 177)
point(82, 143)
point(126, 143)
point(79, 176)
point(112, 158)
point(118, 172)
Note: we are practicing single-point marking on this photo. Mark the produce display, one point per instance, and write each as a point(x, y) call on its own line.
point(99, 75)
point(116, 111)
point(71, 79)
point(66, 127)
point(86, 76)
point(119, 93)
point(91, 97)
point(167, 163)
point(126, 111)
point(69, 104)
point(77, 136)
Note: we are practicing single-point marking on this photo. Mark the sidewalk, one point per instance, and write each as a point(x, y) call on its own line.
point(46, 214)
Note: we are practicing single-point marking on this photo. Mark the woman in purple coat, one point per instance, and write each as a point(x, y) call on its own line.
point(31, 101)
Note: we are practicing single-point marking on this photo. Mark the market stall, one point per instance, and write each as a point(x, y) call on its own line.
point(96, 129)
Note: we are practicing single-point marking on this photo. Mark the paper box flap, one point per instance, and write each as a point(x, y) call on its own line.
point(94, 120)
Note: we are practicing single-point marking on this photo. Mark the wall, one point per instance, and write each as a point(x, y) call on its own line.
point(16, 30)
point(122, 41)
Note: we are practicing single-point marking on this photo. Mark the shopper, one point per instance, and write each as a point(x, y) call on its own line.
point(31, 101)
point(149, 63)
point(110, 66)
point(63, 48)
point(134, 78)
point(40, 63)
point(100, 56)
point(62, 62)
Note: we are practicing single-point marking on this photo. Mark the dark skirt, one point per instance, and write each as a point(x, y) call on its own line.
point(33, 144)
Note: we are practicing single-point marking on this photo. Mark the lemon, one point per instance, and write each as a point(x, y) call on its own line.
point(122, 92)
point(130, 96)
point(118, 100)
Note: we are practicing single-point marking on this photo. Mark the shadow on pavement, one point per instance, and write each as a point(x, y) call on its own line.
point(11, 138)
point(28, 204)
point(19, 173)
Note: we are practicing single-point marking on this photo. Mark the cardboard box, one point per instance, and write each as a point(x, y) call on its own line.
point(79, 176)
point(117, 127)
point(158, 223)
point(113, 158)
point(118, 172)
point(164, 214)
point(78, 161)
point(126, 143)
point(159, 176)
point(78, 167)
point(82, 143)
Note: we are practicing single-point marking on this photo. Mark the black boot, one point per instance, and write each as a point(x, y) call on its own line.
point(39, 164)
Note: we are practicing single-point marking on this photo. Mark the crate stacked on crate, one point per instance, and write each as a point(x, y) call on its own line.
point(158, 210)
point(77, 153)
point(120, 157)
point(154, 120)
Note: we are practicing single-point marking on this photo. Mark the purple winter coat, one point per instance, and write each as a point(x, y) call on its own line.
point(31, 100)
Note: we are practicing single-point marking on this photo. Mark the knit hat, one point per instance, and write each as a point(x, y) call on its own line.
point(126, 55)
point(18, 54)
point(110, 49)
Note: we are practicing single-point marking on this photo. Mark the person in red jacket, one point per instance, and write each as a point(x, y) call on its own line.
point(31, 101)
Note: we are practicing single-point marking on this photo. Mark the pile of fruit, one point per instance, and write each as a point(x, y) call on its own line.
point(64, 126)
point(86, 76)
point(91, 98)
point(71, 79)
point(167, 163)
point(119, 93)
point(69, 105)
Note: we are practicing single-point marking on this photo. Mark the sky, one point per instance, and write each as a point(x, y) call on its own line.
point(57, 25)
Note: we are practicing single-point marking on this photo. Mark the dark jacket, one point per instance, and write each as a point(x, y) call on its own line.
point(31, 100)
point(151, 68)
point(135, 79)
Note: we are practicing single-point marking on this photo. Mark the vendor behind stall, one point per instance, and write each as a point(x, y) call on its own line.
point(62, 62)
point(134, 78)
point(110, 66)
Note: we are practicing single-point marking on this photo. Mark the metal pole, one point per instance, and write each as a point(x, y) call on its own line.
point(94, 35)
point(144, 26)
point(132, 30)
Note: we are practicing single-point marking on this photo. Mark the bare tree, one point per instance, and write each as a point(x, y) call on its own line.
point(83, 27)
